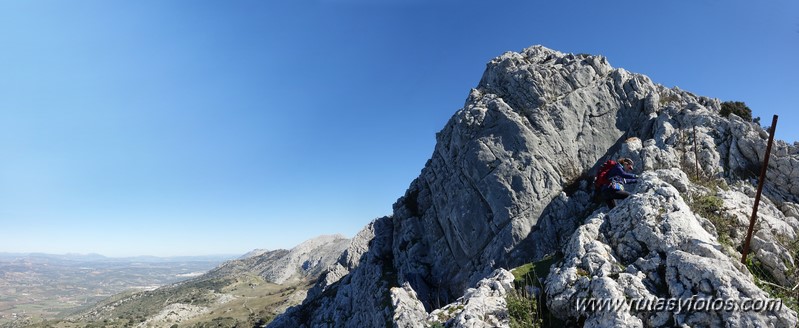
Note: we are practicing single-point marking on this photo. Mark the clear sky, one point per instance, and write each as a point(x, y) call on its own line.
point(195, 127)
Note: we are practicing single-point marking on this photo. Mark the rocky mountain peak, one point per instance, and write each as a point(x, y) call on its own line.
point(305, 261)
point(309, 258)
point(253, 253)
point(508, 183)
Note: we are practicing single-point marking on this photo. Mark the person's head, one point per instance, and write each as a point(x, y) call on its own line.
point(626, 163)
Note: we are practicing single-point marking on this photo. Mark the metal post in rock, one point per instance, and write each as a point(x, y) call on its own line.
point(696, 157)
point(759, 189)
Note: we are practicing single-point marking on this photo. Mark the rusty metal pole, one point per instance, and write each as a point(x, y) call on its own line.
point(696, 157)
point(759, 189)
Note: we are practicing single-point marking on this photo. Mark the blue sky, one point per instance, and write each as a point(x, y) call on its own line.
point(209, 127)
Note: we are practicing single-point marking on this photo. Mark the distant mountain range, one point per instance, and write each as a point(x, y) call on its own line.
point(47, 286)
point(247, 291)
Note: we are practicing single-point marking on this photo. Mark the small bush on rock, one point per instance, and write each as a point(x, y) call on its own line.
point(738, 108)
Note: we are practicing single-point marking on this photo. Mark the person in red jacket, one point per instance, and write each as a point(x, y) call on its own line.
point(614, 180)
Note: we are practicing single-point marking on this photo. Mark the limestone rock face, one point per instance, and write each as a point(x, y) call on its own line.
point(482, 306)
point(408, 311)
point(485, 305)
point(308, 259)
point(509, 182)
point(652, 246)
point(253, 253)
point(535, 124)
point(355, 292)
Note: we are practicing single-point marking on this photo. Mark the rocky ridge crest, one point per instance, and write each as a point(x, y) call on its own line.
point(308, 259)
point(508, 184)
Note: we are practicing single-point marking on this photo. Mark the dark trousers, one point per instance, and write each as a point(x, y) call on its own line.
point(609, 196)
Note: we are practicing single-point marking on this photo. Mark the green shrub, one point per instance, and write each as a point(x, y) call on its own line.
point(767, 283)
point(531, 273)
point(707, 205)
point(710, 207)
point(711, 183)
point(736, 107)
point(671, 97)
point(523, 310)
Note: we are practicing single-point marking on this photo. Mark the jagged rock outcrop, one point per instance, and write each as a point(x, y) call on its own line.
point(490, 195)
point(176, 312)
point(653, 246)
point(253, 253)
point(508, 184)
point(355, 291)
point(308, 259)
point(482, 306)
point(408, 310)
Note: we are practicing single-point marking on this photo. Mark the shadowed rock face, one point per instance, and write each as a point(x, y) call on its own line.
point(507, 182)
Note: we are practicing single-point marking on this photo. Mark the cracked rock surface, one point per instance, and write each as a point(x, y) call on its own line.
point(653, 246)
point(508, 183)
